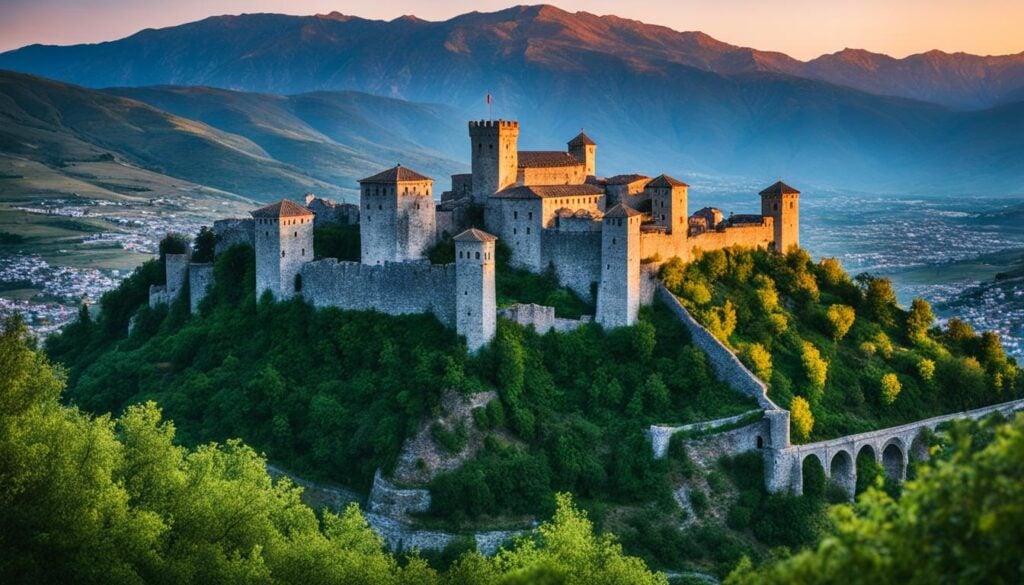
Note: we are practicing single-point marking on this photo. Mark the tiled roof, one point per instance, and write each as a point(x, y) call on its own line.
point(621, 210)
point(666, 181)
point(582, 140)
point(708, 210)
point(625, 179)
point(738, 218)
point(545, 191)
point(780, 188)
point(474, 235)
point(395, 174)
point(283, 208)
point(534, 159)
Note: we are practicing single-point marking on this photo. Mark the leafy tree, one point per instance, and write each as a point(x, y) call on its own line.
point(759, 359)
point(204, 246)
point(832, 271)
point(815, 369)
point(891, 388)
point(840, 319)
point(920, 319)
point(879, 298)
point(801, 418)
point(926, 369)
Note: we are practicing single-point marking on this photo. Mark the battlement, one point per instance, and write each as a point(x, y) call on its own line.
point(485, 125)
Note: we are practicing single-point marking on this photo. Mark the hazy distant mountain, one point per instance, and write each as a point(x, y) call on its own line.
point(290, 54)
point(654, 99)
point(263, 150)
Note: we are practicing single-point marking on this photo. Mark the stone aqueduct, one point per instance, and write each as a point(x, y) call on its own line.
point(784, 462)
point(892, 448)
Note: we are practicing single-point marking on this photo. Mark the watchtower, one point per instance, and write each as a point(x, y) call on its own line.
point(669, 203)
point(475, 301)
point(284, 242)
point(397, 216)
point(782, 203)
point(618, 293)
point(495, 156)
point(583, 149)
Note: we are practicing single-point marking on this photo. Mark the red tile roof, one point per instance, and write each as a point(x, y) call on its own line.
point(545, 191)
point(666, 181)
point(474, 235)
point(536, 159)
point(779, 188)
point(621, 210)
point(395, 174)
point(283, 208)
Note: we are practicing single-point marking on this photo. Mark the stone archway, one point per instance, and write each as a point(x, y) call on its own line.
point(812, 476)
point(867, 467)
point(843, 472)
point(893, 460)
point(919, 447)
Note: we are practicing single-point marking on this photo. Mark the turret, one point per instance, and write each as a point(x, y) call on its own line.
point(583, 149)
point(669, 204)
point(284, 242)
point(397, 216)
point(475, 301)
point(495, 156)
point(618, 294)
point(782, 203)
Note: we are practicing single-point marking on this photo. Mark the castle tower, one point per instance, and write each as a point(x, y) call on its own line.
point(397, 216)
point(475, 301)
point(782, 203)
point(495, 156)
point(284, 242)
point(618, 294)
point(669, 203)
point(583, 149)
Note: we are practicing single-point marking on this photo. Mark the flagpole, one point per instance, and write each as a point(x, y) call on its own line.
point(490, 113)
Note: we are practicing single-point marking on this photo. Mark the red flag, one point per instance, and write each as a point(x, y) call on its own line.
point(488, 99)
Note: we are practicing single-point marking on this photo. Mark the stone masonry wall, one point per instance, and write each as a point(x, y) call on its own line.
point(233, 231)
point(739, 441)
point(392, 288)
point(541, 318)
point(750, 236)
point(200, 279)
point(570, 175)
point(576, 257)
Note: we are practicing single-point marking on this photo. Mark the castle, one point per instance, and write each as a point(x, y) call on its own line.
point(604, 238)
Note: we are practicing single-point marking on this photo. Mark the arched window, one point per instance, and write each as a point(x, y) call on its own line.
point(478, 255)
point(760, 442)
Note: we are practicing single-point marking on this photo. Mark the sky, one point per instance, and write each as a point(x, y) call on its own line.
point(801, 28)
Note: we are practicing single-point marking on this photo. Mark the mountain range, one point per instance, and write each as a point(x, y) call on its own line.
point(654, 98)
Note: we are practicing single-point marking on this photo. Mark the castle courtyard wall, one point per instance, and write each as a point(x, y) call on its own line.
point(391, 288)
point(576, 258)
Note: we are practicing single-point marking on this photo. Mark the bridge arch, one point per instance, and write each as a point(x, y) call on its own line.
point(919, 446)
point(894, 459)
point(812, 475)
point(843, 471)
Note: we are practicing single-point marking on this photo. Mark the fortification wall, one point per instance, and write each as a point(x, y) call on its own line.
point(541, 318)
point(576, 257)
point(663, 246)
point(329, 212)
point(520, 228)
point(726, 365)
point(416, 225)
point(200, 279)
point(731, 442)
point(392, 288)
point(393, 502)
point(378, 231)
point(568, 175)
point(233, 231)
point(750, 236)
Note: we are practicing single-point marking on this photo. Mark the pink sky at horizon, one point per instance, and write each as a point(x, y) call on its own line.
point(801, 28)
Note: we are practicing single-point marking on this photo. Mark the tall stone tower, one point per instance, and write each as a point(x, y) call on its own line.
point(583, 149)
point(495, 156)
point(782, 203)
point(475, 301)
point(397, 216)
point(284, 242)
point(669, 203)
point(618, 293)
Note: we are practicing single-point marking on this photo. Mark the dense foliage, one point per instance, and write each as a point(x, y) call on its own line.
point(843, 345)
point(99, 500)
point(960, 521)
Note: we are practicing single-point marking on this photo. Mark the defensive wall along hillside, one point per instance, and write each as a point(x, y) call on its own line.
point(891, 447)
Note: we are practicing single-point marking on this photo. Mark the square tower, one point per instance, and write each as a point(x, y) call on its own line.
point(397, 216)
point(782, 203)
point(618, 293)
point(583, 149)
point(669, 203)
point(475, 298)
point(284, 242)
point(495, 156)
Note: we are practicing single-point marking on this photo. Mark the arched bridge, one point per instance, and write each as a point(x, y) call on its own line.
point(892, 448)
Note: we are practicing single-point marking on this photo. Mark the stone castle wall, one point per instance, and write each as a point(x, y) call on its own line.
point(541, 318)
point(233, 231)
point(518, 223)
point(576, 258)
point(749, 236)
point(568, 175)
point(200, 280)
point(392, 288)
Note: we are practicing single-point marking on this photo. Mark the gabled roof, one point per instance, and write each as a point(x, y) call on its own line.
point(545, 191)
point(664, 180)
point(779, 188)
point(535, 159)
point(395, 174)
point(283, 208)
point(474, 235)
point(621, 210)
point(626, 179)
point(582, 140)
